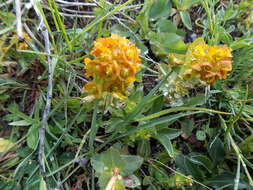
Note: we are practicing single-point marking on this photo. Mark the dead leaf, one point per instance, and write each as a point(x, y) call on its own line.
point(5, 145)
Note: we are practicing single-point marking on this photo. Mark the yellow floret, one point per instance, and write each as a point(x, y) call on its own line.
point(209, 63)
point(113, 69)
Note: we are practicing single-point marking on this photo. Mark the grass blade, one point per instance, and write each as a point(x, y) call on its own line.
point(94, 128)
point(164, 112)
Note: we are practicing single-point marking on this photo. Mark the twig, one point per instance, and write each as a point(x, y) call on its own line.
point(76, 11)
point(82, 16)
point(48, 100)
point(45, 35)
point(18, 16)
point(75, 3)
point(77, 15)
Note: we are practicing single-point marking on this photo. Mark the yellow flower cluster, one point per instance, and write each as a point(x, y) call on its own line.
point(116, 61)
point(209, 63)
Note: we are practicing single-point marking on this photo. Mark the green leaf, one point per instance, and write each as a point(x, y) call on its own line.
point(160, 9)
point(123, 31)
point(14, 109)
point(20, 123)
point(164, 43)
point(202, 160)
point(176, 180)
point(3, 97)
point(229, 13)
point(247, 144)
point(198, 100)
point(42, 184)
point(157, 105)
point(105, 163)
point(147, 180)
point(104, 178)
point(225, 37)
point(183, 5)
point(189, 3)
point(132, 163)
point(170, 133)
point(112, 159)
point(187, 126)
point(186, 19)
point(33, 136)
point(119, 185)
point(177, 109)
point(201, 135)
point(144, 148)
point(165, 25)
point(130, 105)
point(7, 18)
point(97, 163)
point(143, 17)
point(245, 41)
point(166, 119)
point(137, 95)
point(165, 141)
point(216, 150)
point(188, 167)
point(159, 174)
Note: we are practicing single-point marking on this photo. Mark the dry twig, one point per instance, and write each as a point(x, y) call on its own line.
point(19, 22)
point(45, 34)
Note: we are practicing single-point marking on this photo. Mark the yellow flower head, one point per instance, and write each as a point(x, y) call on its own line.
point(210, 63)
point(116, 61)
